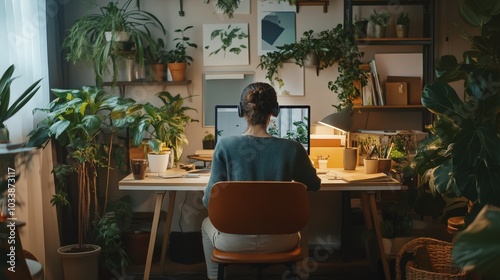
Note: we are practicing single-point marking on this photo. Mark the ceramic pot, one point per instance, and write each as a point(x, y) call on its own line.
point(80, 265)
point(158, 72)
point(311, 60)
point(371, 165)
point(401, 31)
point(379, 31)
point(158, 162)
point(350, 159)
point(178, 71)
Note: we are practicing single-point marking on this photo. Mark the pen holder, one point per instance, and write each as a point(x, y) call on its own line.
point(384, 165)
point(350, 158)
point(371, 165)
point(322, 163)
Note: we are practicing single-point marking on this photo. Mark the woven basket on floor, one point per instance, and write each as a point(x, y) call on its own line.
point(440, 257)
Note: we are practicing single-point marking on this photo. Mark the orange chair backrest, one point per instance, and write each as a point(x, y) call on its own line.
point(259, 207)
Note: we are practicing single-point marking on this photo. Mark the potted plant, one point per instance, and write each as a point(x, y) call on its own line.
point(87, 40)
point(78, 120)
point(460, 156)
point(333, 47)
point(402, 25)
point(379, 22)
point(208, 141)
point(164, 124)
point(178, 59)
point(157, 57)
point(360, 27)
point(7, 111)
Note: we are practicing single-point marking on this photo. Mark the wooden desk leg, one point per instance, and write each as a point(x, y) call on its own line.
point(166, 232)
point(154, 230)
point(376, 226)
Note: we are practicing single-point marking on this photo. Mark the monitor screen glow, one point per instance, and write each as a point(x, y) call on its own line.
point(293, 122)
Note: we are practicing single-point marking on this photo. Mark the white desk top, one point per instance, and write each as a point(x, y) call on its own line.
point(153, 182)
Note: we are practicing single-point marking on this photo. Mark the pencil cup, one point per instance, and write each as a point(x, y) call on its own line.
point(322, 163)
point(371, 165)
point(350, 158)
point(138, 166)
point(384, 165)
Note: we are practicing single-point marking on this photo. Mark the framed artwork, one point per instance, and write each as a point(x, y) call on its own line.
point(225, 44)
point(276, 25)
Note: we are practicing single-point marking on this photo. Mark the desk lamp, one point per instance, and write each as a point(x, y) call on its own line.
point(340, 120)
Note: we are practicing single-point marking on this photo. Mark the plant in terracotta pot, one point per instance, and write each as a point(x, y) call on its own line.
point(165, 125)
point(178, 59)
point(402, 25)
point(116, 33)
point(379, 21)
point(78, 120)
point(8, 110)
point(157, 57)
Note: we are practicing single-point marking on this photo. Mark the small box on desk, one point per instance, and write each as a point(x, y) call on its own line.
point(396, 93)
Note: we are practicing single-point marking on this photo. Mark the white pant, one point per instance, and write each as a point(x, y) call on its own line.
point(242, 243)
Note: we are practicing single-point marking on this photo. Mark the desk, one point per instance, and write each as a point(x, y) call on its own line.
point(160, 186)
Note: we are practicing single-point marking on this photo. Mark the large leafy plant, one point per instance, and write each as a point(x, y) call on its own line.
point(7, 110)
point(86, 40)
point(78, 120)
point(461, 156)
point(163, 124)
point(333, 47)
point(182, 43)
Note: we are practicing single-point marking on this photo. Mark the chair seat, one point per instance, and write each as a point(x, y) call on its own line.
point(256, 258)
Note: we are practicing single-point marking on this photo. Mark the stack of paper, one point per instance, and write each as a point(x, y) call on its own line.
point(360, 177)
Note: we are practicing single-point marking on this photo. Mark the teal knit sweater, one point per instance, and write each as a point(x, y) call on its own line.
point(249, 158)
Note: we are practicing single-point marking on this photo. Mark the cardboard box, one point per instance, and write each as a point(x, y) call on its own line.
point(396, 93)
point(414, 88)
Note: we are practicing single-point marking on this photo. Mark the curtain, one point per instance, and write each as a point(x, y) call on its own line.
point(23, 33)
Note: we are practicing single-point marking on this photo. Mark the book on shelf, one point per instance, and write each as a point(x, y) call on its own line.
point(378, 86)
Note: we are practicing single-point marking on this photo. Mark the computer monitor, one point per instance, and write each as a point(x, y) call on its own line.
point(293, 122)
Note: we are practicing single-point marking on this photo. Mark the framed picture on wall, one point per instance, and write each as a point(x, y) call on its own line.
point(276, 25)
point(225, 44)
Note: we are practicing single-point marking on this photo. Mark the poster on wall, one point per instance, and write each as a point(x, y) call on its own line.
point(276, 25)
point(225, 44)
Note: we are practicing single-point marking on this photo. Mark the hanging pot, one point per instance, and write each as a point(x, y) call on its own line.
point(311, 60)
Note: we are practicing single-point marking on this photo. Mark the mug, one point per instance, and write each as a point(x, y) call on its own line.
point(139, 166)
point(350, 158)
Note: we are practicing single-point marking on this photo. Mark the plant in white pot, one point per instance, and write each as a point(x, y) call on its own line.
point(158, 158)
point(166, 124)
point(79, 120)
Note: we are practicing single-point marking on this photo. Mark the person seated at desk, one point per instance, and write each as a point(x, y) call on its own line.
point(255, 156)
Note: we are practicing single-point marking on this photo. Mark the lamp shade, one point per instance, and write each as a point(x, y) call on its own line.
point(340, 120)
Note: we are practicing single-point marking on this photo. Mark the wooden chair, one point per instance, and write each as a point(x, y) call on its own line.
point(258, 207)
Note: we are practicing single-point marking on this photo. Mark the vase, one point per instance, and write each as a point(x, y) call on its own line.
point(178, 71)
point(80, 265)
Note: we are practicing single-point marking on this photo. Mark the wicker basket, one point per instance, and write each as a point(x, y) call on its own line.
point(440, 257)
